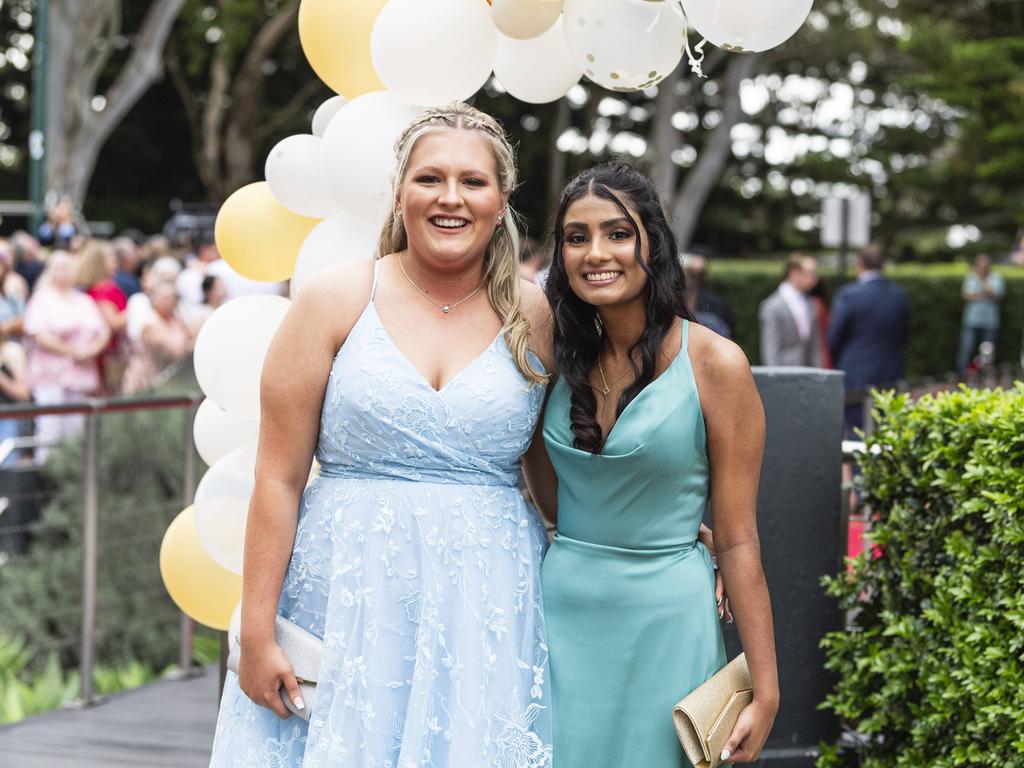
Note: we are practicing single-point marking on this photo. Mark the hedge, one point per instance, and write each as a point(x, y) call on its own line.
point(935, 309)
point(139, 494)
point(931, 669)
point(140, 483)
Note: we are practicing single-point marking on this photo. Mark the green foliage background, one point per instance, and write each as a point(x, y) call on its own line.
point(935, 309)
point(931, 670)
point(140, 493)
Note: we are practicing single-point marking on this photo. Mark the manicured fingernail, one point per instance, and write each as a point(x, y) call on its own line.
point(721, 612)
point(720, 599)
point(726, 754)
point(299, 703)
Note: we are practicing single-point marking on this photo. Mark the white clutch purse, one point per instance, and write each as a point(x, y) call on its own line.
point(303, 650)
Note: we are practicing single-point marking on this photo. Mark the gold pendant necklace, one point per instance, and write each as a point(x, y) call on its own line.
point(446, 308)
point(605, 389)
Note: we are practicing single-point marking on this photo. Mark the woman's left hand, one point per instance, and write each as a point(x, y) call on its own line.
point(707, 538)
point(750, 733)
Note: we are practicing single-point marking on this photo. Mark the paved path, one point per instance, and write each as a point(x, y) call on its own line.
point(167, 724)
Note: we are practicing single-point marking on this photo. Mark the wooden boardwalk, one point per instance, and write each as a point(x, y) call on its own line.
point(167, 724)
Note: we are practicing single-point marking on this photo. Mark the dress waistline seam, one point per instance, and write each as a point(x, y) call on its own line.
point(424, 480)
point(671, 549)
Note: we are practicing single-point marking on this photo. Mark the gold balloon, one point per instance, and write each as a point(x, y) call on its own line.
point(258, 236)
point(199, 587)
point(335, 36)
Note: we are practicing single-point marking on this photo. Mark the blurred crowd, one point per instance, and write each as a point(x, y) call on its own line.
point(862, 330)
point(83, 317)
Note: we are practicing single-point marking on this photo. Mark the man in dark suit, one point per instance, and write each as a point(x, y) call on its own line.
point(868, 330)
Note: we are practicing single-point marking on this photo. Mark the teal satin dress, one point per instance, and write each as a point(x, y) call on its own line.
point(629, 593)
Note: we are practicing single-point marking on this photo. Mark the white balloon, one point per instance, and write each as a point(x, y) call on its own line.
point(230, 350)
point(340, 238)
point(740, 25)
point(217, 432)
point(358, 153)
point(220, 527)
point(232, 476)
point(325, 112)
point(433, 53)
point(297, 179)
point(625, 46)
point(222, 506)
point(523, 19)
point(537, 70)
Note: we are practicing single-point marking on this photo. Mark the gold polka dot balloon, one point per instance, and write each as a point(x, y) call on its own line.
point(625, 45)
point(742, 25)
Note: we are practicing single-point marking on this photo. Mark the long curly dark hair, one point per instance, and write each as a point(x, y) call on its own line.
point(578, 335)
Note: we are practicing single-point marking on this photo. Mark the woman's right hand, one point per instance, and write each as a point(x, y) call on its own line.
point(262, 671)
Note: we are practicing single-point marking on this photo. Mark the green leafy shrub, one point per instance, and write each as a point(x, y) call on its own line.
point(140, 483)
point(20, 697)
point(931, 669)
point(24, 692)
point(935, 308)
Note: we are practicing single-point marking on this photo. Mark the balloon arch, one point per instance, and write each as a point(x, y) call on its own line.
point(387, 60)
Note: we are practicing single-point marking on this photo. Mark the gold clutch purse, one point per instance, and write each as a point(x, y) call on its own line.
point(705, 718)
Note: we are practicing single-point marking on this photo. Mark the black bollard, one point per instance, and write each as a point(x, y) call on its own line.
point(798, 516)
point(20, 503)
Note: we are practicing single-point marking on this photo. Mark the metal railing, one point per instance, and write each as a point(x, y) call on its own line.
point(94, 410)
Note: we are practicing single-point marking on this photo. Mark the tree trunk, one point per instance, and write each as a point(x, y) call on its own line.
point(232, 125)
point(665, 137)
point(556, 168)
point(82, 36)
point(714, 154)
point(242, 133)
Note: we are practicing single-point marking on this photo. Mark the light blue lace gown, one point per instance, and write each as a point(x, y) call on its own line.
point(418, 562)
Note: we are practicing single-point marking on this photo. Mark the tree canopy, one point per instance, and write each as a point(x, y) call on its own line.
point(918, 104)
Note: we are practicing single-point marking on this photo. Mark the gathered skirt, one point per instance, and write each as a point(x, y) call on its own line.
point(427, 597)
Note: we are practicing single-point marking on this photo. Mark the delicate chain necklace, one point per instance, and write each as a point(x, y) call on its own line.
point(446, 308)
point(605, 389)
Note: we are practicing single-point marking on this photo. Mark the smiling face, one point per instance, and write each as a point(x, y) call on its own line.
point(165, 299)
point(599, 249)
point(450, 199)
point(61, 266)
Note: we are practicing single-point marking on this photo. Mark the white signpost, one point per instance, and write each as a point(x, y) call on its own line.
point(845, 224)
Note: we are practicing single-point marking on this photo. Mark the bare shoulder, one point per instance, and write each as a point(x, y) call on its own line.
point(333, 300)
point(538, 312)
point(535, 303)
point(720, 367)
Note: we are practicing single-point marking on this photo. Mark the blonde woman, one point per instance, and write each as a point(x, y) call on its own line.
point(412, 381)
point(94, 274)
point(66, 333)
point(165, 341)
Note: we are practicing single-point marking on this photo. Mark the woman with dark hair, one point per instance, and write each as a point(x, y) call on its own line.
point(653, 418)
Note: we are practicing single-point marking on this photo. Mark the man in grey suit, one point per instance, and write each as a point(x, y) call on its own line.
point(789, 327)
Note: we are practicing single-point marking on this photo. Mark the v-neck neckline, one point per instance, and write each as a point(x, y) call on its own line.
point(682, 351)
point(419, 374)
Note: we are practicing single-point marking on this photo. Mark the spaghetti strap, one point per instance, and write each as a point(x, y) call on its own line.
point(376, 279)
point(683, 335)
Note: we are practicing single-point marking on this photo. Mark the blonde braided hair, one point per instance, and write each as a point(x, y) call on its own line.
point(501, 258)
